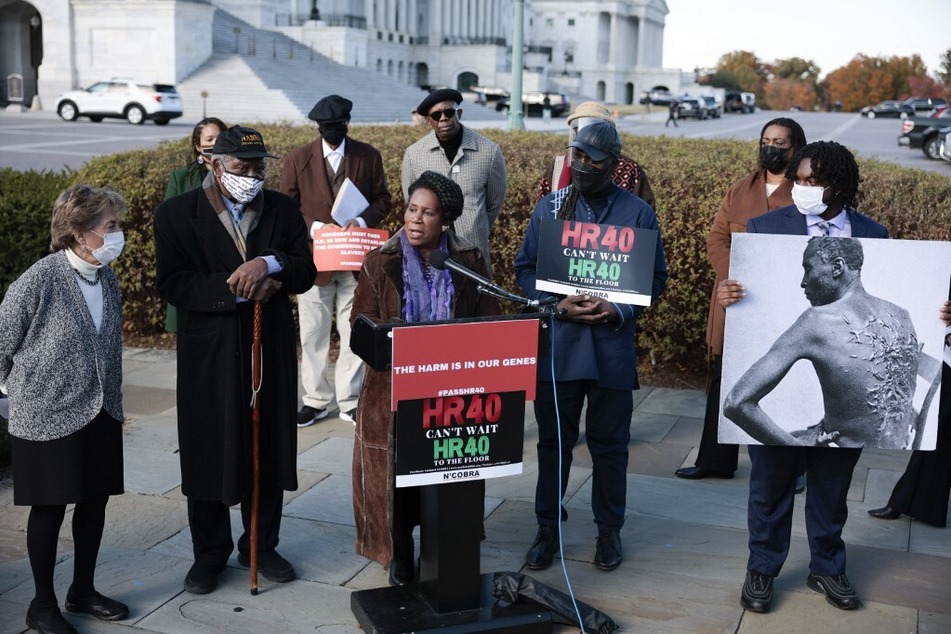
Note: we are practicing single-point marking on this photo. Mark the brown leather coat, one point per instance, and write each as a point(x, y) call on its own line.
point(745, 199)
point(379, 296)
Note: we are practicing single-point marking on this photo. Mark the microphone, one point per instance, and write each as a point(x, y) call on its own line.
point(441, 260)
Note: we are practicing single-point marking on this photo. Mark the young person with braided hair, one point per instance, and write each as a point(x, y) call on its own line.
point(593, 356)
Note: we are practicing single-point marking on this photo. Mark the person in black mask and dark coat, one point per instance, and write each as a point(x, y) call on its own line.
point(593, 356)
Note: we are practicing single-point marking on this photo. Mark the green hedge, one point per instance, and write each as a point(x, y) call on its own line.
point(689, 178)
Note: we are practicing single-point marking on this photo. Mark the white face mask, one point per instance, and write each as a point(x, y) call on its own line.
point(808, 199)
point(112, 244)
point(243, 188)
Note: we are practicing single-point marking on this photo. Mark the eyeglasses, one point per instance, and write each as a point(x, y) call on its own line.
point(438, 115)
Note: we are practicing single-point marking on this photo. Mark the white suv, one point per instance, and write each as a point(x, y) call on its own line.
point(120, 98)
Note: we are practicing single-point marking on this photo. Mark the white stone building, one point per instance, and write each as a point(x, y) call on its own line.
point(607, 50)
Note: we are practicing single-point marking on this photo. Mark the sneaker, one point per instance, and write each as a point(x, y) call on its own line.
point(757, 592)
point(839, 592)
point(539, 556)
point(308, 415)
point(350, 415)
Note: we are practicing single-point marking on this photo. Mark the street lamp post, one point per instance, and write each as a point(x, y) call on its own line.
point(516, 121)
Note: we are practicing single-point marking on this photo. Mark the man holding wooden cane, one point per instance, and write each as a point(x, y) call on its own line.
point(219, 250)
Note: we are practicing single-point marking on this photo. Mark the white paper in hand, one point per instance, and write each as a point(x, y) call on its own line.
point(349, 203)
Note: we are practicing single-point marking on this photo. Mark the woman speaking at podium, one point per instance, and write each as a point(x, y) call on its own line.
point(397, 283)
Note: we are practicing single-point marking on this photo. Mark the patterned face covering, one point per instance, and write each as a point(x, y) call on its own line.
point(242, 188)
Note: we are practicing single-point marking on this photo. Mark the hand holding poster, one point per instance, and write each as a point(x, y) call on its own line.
point(337, 249)
point(608, 261)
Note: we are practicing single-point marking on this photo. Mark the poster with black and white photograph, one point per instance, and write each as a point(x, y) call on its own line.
point(836, 343)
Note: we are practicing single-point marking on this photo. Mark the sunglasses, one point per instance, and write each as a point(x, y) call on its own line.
point(438, 115)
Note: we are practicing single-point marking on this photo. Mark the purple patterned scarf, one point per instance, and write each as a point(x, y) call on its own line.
point(427, 293)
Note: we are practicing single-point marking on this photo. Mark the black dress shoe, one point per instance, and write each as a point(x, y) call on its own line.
point(699, 473)
point(539, 556)
point(839, 592)
point(608, 554)
point(270, 564)
point(103, 608)
point(202, 578)
point(48, 621)
point(401, 572)
point(757, 593)
point(885, 513)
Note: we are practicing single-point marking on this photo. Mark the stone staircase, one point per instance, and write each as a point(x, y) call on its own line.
point(255, 75)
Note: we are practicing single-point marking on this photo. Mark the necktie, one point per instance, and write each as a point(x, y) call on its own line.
point(823, 227)
point(237, 211)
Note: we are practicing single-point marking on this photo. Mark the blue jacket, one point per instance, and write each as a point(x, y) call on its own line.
point(788, 220)
point(604, 353)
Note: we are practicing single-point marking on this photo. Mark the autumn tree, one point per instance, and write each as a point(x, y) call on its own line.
point(868, 80)
point(751, 74)
point(797, 69)
point(721, 79)
point(783, 94)
point(943, 74)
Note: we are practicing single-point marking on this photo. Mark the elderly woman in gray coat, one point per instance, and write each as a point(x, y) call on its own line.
point(61, 363)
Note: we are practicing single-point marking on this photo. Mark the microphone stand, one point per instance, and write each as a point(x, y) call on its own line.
point(440, 260)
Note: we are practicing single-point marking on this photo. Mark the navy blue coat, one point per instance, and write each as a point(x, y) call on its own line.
point(603, 352)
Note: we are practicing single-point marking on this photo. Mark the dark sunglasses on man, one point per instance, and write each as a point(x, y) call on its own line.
point(438, 115)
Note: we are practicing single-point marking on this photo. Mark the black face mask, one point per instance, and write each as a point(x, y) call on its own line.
point(333, 133)
point(773, 158)
point(587, 178)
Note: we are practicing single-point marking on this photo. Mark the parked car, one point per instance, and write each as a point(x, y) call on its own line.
point(735, 101)
point(692, 107)
point(534, 103)
point(922, 132)
point(657, 97)
point(890, 108)
point(120, 98)
point(714, 106)
point(944, 143)
point(924, 104)
point(492, 94)
point(936, 111)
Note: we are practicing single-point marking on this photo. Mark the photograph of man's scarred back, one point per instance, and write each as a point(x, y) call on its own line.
point(837, 343)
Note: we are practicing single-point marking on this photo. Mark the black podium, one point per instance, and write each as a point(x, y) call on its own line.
point(451, 595)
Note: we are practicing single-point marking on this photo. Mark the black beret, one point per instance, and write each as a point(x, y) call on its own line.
point(438, 96)
point(241, 142)
point(331, 109)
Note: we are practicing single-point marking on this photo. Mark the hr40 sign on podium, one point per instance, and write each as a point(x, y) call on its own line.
point(459, 393)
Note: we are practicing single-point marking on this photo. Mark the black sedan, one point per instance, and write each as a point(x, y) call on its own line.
point(888, 109)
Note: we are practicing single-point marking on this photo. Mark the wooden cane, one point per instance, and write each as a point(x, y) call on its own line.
point(255, 440)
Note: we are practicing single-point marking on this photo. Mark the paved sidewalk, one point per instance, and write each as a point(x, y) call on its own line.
point(685, 542)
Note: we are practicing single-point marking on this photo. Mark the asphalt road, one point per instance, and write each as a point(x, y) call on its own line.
point(43, 142)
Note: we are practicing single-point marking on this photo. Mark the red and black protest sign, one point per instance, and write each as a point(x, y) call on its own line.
point(458, 438)
point(464, 358)
point(337, 249)
point(459, 393)
point(608, 261)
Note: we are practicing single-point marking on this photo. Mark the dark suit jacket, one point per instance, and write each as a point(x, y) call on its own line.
point(788, 220)
point(305, 179)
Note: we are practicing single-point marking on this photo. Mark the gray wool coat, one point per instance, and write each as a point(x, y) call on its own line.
point(58, 370)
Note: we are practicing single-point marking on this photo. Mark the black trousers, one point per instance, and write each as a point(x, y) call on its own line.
point(210, 525)
point(607, 433)
point(712, 455)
